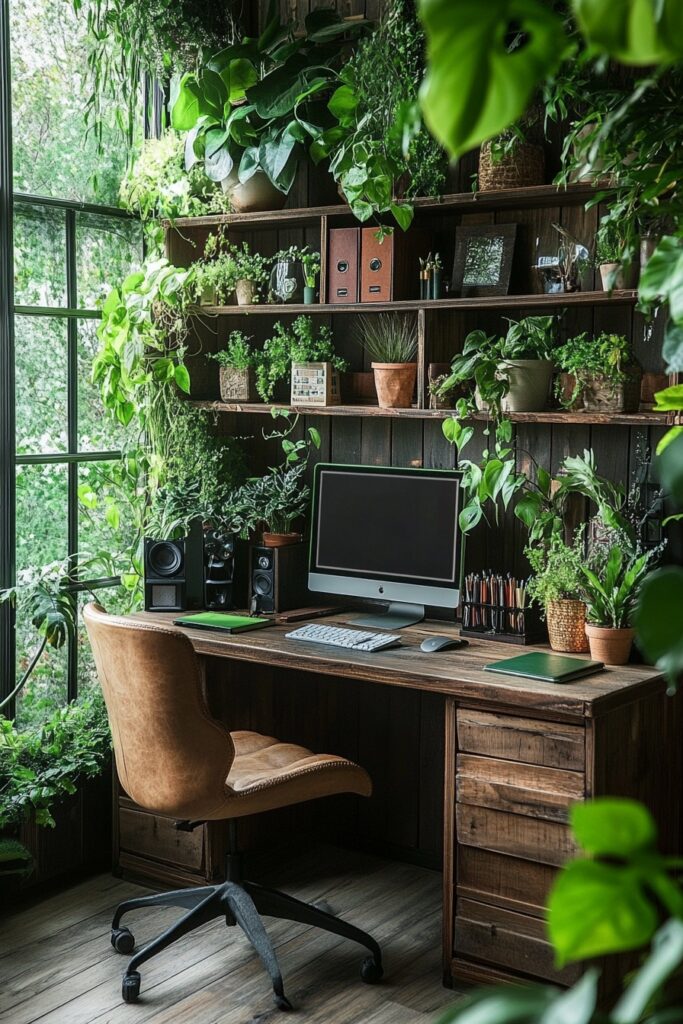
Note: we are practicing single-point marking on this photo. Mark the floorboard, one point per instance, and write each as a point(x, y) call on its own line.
point(61, 968)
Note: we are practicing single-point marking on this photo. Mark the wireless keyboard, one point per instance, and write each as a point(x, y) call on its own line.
point(354, 639)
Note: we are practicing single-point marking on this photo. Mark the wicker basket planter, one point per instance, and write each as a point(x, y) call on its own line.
point(315, 384)
point(523, 167)
point(237, 385)
point(601, 395)
point(567, 626)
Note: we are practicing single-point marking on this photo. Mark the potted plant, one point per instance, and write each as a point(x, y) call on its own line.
point(612, 587)
point(310, 262)
point(391, 342)
point(214, 283)
point(287, 276)
point(557, 587)
point(315, 365)
point(515, 158)
point(251, 109)
point(250, 271)
point(237, 364)
point(297, 343)
point(278, 499)
point(604, 373)
point(609, 249)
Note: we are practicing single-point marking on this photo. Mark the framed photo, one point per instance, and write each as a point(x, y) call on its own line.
point(483, 259)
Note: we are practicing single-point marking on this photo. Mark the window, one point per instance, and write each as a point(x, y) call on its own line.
point(68, 250)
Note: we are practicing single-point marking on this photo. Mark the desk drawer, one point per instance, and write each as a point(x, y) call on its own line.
point(508, 882)
point(153, 835)
point(546, 842)
point(509, 940)
point(528, 740)
point(519, 788)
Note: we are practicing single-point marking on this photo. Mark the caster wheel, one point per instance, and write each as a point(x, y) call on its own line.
point(122, 940)
point(371, 971)
point(282, 1002)
point(130, 987)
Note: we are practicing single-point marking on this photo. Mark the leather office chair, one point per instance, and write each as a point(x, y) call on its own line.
point(174, 759)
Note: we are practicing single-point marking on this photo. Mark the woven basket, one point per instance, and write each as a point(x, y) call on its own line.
point(600, 395)
point(567, 626)
point(524, 166)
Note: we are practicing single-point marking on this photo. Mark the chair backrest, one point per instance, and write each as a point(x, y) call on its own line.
point(171, 755)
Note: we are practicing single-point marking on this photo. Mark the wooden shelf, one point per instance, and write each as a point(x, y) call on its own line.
point(615, 298)
point(642, 419)
point(460, 202)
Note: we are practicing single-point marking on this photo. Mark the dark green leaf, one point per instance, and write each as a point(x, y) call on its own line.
point(528, 508)
point(634, 31)
point(403, 214)
point(669, 466)
point(658, 618)
point(666, 956)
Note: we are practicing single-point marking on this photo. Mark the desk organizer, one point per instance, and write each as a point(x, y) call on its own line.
point(494, 607)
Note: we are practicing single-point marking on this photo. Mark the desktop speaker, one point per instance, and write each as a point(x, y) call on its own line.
point(278, 577)
point(174, 573)
point(219, 570)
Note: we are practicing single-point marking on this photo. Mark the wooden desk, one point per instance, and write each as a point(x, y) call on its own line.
point(518, 752)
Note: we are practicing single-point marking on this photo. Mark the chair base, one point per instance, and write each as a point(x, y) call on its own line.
point(240, 903)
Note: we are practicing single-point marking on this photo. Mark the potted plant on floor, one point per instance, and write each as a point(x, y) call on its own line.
point(391, 342)
point(612, 587)
point(237, 374)
point(604, 373)
point(557, 587)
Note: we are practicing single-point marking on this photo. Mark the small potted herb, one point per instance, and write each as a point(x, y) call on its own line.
point(310, 262)
point(612, 587)
point(557, 587)
point(609, 256)
point(391, 342)
point(315, 365)
point(215, 274)
point(298, 344)
point(603, 372)
point(251, 272)
point(237, 364)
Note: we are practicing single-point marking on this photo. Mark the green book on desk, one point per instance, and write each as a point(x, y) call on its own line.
point(223, 621)
point(550, 668)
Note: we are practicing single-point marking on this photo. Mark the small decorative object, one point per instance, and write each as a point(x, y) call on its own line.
point(287, 278)
point(391, 341)
point(310, 262)
point(557, 587)
point(612, 587)
point(495, 607)
point(521, 166)
point(650, 385)
point(483, 259)
point(561, 266)
point(237, 363)
point(605, 373)
point(431, 270)
point(315, 384)
point(609, 250)
point(424, 278)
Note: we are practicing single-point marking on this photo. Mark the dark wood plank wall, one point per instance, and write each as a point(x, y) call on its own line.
point(398, 736)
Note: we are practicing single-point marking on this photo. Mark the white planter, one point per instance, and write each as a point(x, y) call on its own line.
point(255, 195)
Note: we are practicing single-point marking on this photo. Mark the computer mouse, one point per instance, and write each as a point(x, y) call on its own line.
point(441, 643)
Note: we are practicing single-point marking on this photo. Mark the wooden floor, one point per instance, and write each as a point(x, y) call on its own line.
point(62, 970)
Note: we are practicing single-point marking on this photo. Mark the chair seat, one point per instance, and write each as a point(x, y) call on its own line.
point(266, 774)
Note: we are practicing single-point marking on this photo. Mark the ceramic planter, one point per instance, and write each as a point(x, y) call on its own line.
point(530, 381)
point(567, 626)
point(395, 383)
point(286, 282)
point(245, 291)
point(237, 385)
point(254, 195)
point(309, 294)
point(611, 646)
point(622, 278)
point(280, 540)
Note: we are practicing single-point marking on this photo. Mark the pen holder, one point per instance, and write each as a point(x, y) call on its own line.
point(501, 623)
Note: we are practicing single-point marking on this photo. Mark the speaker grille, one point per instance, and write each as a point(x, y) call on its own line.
point(164, 595)
point(164, 558)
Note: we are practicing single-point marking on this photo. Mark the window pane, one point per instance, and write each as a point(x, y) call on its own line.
point(47, 686)
point(105, 526)
point(41, 515)
point(41, 388)
point(107, 249)
point(97, 429)
point(50, 87)
point(39, 256)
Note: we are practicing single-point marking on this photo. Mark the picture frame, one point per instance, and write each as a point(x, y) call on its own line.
point(483, 259)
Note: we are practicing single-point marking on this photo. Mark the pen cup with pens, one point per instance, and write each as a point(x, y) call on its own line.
point(496, 607)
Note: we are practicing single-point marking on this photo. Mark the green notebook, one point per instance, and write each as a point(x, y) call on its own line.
point(551, 668)
point(223, 621)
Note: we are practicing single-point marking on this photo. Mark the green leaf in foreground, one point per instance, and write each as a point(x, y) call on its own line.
point(613, 827)
point(476, 84)
point(658, 619)
point(634, 31)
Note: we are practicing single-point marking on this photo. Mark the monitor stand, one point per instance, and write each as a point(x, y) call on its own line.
point(396, 616)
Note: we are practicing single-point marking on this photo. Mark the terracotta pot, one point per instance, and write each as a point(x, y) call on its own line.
point(611, 646)
point(245, 291)
point(395, 383)
point(566, 626)
point(254, 195)
point(529, 384)
point(622, 279)
point(280, 540)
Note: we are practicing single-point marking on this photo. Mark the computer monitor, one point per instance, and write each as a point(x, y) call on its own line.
point(388, 534)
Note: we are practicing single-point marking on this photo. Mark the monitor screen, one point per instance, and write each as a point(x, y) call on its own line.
point(386, 524)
